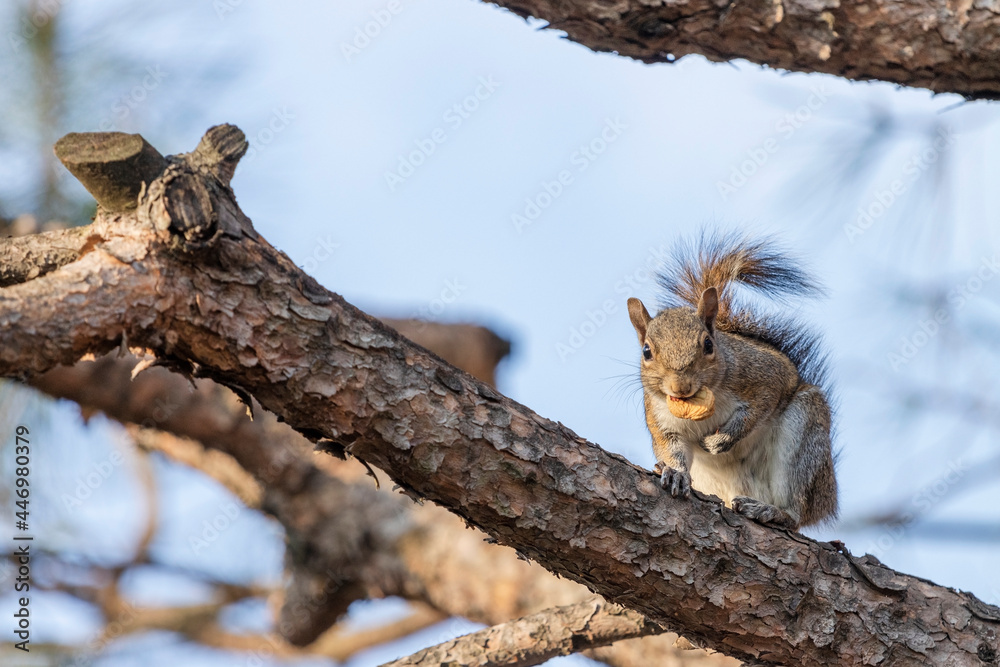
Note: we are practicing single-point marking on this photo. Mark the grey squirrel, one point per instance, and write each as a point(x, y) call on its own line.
point(755, 420)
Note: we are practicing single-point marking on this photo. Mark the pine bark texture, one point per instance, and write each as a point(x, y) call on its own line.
point(942, 45)
point(186, 276)
point(534, 639)
point(27, 257)
point(420, 552)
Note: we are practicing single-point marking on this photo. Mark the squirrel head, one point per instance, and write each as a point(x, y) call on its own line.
point(679, 350)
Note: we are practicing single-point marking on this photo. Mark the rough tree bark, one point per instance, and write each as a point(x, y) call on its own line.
point(186, 276)
point(424, 553)
point(945, 46)
point(534, 639)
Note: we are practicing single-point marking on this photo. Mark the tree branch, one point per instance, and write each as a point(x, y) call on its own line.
point(534, 639)
point(442, 559)
point(185, 275)
point(939, 45)
point(28, 257)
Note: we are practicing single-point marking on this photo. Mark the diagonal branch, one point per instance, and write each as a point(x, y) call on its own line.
point(429, 553)
point(534, 639)
point(186, 276)
point(943, 46)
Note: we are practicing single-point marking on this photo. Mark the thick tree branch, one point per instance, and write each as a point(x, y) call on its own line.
point(441, 559)
point(534, 639)
point(186, 276)
point(944, 46)
point(444, 561)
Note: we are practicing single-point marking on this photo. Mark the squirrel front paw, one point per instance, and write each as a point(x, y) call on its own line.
point(677, 482)
point(717, 443)
point(762, 512)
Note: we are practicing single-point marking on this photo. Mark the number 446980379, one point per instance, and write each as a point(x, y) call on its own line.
point(22, 453)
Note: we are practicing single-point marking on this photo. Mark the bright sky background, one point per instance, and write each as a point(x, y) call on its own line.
point(326, 126)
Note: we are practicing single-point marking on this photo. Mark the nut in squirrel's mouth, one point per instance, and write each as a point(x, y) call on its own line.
point(699, 405)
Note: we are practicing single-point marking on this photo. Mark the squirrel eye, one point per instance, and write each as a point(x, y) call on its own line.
point(709, 346)
point(647, 353)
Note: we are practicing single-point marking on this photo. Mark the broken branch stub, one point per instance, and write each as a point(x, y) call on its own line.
point(112, 165)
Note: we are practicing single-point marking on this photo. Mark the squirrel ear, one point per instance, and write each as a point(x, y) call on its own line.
point(639, 316)
point(708, 307)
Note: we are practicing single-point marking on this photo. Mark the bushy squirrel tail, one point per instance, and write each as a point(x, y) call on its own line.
point(722, 260)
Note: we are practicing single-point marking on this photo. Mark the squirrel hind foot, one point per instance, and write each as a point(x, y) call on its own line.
point(764, 513)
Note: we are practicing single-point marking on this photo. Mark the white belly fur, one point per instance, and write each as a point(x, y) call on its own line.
point(754, 467)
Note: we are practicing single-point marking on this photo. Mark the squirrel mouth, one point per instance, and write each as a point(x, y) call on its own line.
point(679, 399)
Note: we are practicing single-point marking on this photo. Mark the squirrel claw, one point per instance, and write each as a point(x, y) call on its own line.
point(764, 513)
point(678, 482)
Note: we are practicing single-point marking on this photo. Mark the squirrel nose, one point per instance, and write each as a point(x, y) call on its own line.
point(679, 388)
